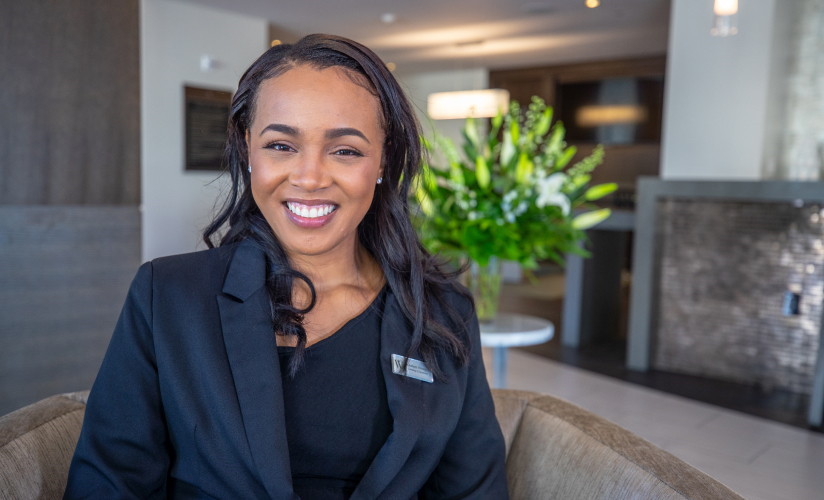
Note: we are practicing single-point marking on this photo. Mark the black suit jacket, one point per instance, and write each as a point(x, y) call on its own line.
point(188, 402)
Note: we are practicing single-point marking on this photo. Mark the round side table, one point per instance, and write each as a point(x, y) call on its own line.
point(510, 330)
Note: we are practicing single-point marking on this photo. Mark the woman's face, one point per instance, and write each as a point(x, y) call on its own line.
point(316, 147)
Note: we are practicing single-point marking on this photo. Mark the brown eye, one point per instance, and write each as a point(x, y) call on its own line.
point(347, 152)
point(278, 146)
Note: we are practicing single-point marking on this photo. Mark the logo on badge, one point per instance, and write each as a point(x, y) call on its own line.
point(414, 368)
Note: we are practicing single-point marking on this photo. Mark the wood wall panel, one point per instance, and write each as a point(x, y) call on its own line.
point(70, 102)
point(64, 273)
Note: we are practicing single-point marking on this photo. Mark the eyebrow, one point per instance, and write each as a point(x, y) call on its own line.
point(330, 134)
point(279, 127)
point(340, 132)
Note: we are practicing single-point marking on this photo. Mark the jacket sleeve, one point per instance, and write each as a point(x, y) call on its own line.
point(122, 451)
point(473, 464)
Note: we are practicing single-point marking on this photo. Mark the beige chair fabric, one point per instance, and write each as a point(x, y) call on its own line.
point(36, 446)
point(555, 450)
point(558, 450)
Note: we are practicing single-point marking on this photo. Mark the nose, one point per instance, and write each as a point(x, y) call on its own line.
point(310, 172)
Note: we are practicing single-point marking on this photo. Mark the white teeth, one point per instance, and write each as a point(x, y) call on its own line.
point(310, 212)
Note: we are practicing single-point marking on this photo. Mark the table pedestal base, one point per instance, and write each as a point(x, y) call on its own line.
point(499, 367)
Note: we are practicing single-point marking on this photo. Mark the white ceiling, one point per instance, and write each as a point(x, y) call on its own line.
point(458, 34)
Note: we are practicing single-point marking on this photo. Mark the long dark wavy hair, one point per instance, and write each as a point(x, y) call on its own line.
point(418, 280)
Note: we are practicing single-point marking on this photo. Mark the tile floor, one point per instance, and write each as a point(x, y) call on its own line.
point(758, 458)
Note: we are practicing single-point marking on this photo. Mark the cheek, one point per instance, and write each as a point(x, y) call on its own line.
point(364, 187)
point(265, 177)
point(255, 184)
point(263, 185)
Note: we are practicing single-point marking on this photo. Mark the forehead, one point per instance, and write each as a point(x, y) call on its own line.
point(304, 92)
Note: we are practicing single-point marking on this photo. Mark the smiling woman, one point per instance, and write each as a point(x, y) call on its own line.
point(302, 354)
point(315, 147)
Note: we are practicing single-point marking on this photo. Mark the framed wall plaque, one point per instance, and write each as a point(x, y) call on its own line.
point(207, 112)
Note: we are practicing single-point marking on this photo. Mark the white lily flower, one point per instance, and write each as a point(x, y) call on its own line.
point(549, 192)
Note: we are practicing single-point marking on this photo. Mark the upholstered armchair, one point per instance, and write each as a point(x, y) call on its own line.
point(554, 450)
point(558, 450)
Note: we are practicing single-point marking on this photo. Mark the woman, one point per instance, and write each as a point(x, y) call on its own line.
point(317, 351)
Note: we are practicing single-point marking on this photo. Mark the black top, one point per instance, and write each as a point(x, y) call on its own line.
point(337, 415)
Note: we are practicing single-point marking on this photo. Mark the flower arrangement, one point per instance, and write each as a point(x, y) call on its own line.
point(512, 194)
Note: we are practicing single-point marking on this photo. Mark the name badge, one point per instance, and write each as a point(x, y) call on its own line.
point(414, 368)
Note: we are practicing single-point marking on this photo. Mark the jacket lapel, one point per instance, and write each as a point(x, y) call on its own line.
point(252, 352)
point(406, 404)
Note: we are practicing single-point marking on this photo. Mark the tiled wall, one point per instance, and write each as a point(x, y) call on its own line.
point(725, 270)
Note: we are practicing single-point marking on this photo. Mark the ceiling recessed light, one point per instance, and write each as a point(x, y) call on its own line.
point(593, 3)
point(388, 18)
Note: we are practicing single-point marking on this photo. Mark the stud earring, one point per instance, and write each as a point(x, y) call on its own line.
point(380, 180)
point(249, 168)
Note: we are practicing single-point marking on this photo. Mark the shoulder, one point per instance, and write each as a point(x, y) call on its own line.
point(194, 260)
point(459, 298)
point(443, 301)
point(204, 269)
point(454, 308)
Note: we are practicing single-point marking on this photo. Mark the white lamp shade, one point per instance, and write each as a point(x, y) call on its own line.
point(467, 103)
point(725, 7)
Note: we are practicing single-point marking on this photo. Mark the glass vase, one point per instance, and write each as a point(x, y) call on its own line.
point(484, 282)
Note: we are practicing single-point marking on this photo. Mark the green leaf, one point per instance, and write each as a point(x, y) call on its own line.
point(588, 219)
point(589, 163)
point(599, 191)
point(580, 180)
point(424, 201)
point(566, 157)
point(496, 122)
point(514, 131)
point(482, 172)
point(429, 182)
point(456, 173)
point(436, 172)
point(542, 127)
point(448, 148)
point(471, 133)
point(556, 140)
point(507, 149)
point(524, 169)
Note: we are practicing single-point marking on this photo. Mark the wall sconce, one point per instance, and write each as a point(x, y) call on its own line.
point(725, 18)
point(208, 63)
point(467, 103)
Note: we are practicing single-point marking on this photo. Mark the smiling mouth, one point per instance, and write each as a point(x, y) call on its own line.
point(310, 212)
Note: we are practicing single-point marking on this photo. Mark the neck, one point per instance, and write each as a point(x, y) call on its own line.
point(357, 268)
